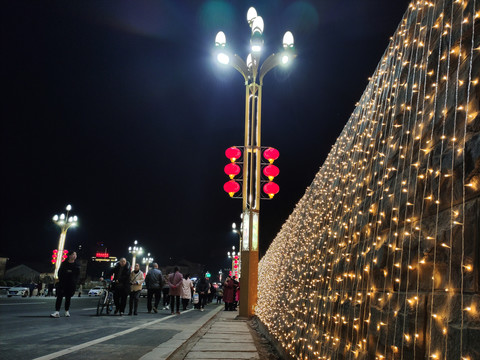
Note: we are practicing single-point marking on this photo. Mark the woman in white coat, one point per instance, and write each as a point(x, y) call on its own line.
point(136, 281)
point(187, 287)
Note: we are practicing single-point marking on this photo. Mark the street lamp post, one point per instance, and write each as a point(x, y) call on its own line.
point(65, 222)
point(253, 75)
point(147, 261)
point(135, 250)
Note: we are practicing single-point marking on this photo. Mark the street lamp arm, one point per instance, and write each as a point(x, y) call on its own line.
point(240, 65)
point(271, 62)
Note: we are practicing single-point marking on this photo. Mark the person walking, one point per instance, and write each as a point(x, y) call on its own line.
point(175, 281)
point(67, 283)
point(136, 281)
point(50, 289)
point(187, 287)
point(228, 293)
point(236, 292)
point(121, 283)
point(211, 293)
point(165, 291)
point(202, 288)
point(39, 288)
point(80, 289)
point(154, 282)
point(219, 294)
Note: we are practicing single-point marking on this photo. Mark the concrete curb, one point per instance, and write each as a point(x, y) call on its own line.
point(164, 350)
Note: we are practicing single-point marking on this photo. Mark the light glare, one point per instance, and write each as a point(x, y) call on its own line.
point(220, 39)
point(288, 39)
point(251, 14)
point(258, 25)
point(223, 58)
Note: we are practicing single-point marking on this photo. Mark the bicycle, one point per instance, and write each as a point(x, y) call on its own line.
point(105, 301)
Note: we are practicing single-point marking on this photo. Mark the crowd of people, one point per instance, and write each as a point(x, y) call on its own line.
point(175, 288)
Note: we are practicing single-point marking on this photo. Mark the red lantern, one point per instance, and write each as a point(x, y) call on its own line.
point(271, 171)
point(271, 154)
point(232, 170)
point(54, 256)
point(271, 189)
point(233, 153)
point(231, 187)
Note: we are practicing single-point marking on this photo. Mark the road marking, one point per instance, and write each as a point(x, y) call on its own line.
point(103, 339)
point(89, 309)
point(25, 303)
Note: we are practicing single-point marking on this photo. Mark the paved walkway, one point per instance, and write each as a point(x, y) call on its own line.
point(216, 335)
point(226, 338)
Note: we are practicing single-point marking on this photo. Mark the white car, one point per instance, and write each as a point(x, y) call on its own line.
point(96, 291)
point(19, 290)
point(144, 291)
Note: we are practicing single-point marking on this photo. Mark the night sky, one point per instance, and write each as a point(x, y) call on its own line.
point(120, 109)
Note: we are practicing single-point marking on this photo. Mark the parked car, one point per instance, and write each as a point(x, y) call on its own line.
point(143, 292)
point(19, 290)
point(96, 291)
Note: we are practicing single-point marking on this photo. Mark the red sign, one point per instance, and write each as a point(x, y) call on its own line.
point(102, 255)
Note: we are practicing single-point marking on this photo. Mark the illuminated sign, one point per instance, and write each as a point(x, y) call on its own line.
point(102, 255)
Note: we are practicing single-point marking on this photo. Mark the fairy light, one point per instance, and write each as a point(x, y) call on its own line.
point(378, 220)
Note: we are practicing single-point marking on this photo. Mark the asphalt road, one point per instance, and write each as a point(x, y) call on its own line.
point(28, 332)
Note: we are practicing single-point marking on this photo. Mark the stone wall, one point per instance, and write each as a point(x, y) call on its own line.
point(380, 258)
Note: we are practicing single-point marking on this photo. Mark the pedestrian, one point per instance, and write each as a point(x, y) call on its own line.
point(175, 281)
point(228, 293)
point(236, 292)
point(67, 283)
point(80, 289)
point(187, 287)
point(202, 288)
point(211, 293)
point(136, 281)
point(165, 291)
point(219, 294)
point(39, 288)
point(154, 283)
point(32, 286)
point(121, 284)
point(50, 289)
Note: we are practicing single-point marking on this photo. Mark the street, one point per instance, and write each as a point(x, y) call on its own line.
point(28, 332)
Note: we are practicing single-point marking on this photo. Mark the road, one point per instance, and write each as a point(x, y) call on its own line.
point(28, 332)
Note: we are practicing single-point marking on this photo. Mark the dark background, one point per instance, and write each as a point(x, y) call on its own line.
point(120, 109)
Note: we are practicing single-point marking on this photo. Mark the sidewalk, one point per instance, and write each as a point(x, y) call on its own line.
point(225, 338)
point(215, 336)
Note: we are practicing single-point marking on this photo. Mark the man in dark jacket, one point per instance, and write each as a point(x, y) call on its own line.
point(67, 283)
point(154, 282)
point(202, 289)
point(121, 283)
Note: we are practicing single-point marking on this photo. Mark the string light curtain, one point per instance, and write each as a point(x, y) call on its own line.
point(380, 257)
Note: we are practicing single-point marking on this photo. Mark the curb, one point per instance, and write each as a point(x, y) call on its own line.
point(170, 347)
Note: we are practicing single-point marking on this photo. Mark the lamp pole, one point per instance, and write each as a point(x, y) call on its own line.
point(147, 260)
point(64, 222)
point(253, 75)
point(134, 250)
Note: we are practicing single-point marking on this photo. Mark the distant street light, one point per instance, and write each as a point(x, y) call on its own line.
point(65, 222)
point(135, 250)
point(239, 233)
point(253, 75)
point(147, 260)
point(235, 258)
